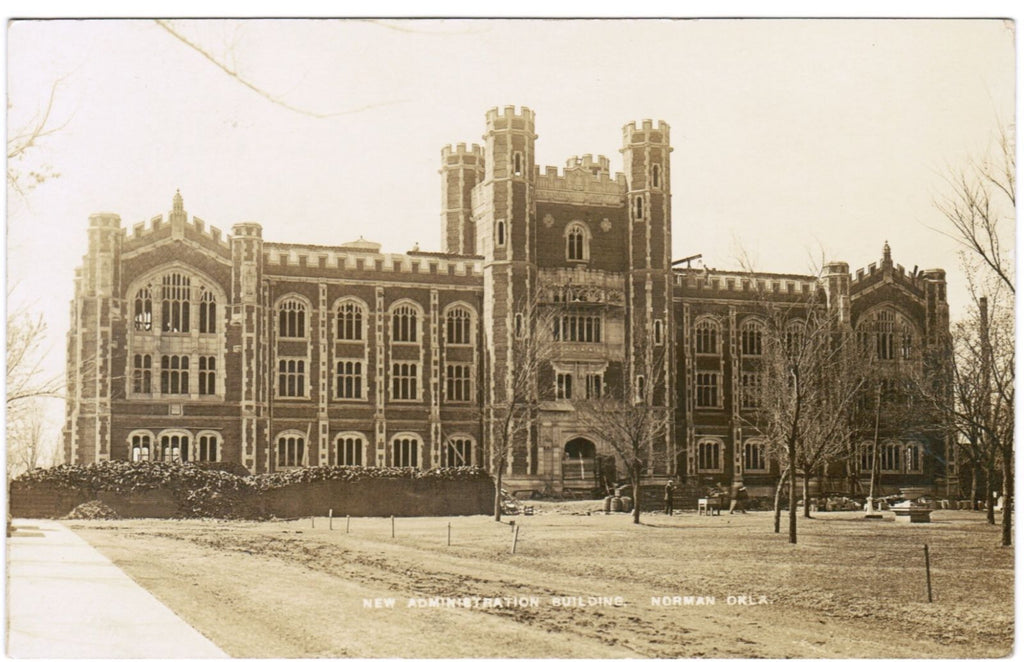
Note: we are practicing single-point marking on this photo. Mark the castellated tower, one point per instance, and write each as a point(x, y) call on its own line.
point(649, 361)
point(249, 322)
point(503, 209)
point(95, 312)
point(461, 170)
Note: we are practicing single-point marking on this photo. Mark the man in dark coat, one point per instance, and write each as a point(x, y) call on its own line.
point(738, 499)
point(669, 490)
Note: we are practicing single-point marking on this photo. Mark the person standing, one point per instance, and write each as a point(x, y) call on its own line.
point(738, 499)
point(669, 491)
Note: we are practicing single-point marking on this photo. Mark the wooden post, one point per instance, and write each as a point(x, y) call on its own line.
point(392, 526)
point(347, 517)
point(330, 519)
point(928, 572)
point(449, 534)
point(515, 537)
point(312, 522)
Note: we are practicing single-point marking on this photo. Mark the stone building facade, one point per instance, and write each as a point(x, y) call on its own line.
point(190, 344)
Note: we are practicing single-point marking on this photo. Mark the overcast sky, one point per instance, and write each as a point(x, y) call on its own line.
point(793, 139)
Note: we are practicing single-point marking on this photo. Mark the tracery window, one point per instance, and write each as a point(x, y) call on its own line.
point(207, 312)
point(458, 452)
point(458, 326)
point(291, 316)
point(755, 457)
point(144, 309)
point(405, 451)
point(176, 303)
point(350, 320)
point(349, 449)
point(405, 324)
point(706, 336)
point(577, 242)
point(750, 338)
point(291, 450)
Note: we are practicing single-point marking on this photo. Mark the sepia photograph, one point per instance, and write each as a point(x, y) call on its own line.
point(574, 338)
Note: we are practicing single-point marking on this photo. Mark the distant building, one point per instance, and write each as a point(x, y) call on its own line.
point(188, 344)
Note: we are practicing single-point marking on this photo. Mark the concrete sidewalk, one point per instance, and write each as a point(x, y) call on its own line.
point(65, 599)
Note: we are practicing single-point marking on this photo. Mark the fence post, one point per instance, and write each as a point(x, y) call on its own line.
point(928, 572)
point(312, 522)
point(392, 526)
point(346, 522)
point(330, 519)
point(449, 534)
point(515, 537)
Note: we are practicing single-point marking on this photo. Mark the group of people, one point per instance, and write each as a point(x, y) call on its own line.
point(737, 498)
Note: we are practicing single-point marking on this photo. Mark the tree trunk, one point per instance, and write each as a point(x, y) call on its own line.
point(636, 493)
point(792, 492)
point(497, 495)
point(990, 506)
point(1007, 496)
point(778, 499)
point(974, 487)
point(807, 495)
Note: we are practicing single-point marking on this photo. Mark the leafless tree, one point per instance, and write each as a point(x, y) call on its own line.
point(27, 444)
point(632, 418)
point(514, 414)
point(809, 379)
point(980, 209)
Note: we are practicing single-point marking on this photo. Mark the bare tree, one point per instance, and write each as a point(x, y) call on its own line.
point(632, 418)
point(26, 379)
point(24, 139)
point(809, 379)
point(27, 444)
point(515, 415)
point(980, 210)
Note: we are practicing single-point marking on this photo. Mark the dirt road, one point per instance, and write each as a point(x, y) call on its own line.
point(286, 589)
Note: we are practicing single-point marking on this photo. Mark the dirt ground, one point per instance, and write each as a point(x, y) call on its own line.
point(680, 586)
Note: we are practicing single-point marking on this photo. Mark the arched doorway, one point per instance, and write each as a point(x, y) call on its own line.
point(579, 461)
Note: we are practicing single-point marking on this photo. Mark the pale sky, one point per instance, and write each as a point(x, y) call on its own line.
point(793, 139)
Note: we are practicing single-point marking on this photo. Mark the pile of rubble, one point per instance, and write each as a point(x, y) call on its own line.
point(92, 510)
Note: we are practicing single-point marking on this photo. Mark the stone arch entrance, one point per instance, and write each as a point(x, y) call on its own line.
point(579, 460)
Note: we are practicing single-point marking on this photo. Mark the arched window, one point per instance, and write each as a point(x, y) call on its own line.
point(176, 303)
point(140, 446)
point(709, 455)
point(639, 207)
point(405, 451)
point(208, 447)
point(706, 336)
point(750, 336)
point(659, 332)
point(755, 457)
point(499, 232)
point(350, 320)
point(291, 450)
point(794, 338)
point(143, 316)
point(517, 164)
point(890, 457)
point(912, 458)
point(174, 446)
point(519, 325)
point(458, 326)
point(405, 324)
point(291, 316)
point(458, 452)
point(349, 449)
point(865, 458)
point(207, 312)
point(655, 176)
point(142, 374)
point(887, 335)
point(577, 242)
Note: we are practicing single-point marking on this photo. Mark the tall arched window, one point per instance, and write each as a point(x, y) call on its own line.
point(140, 446)
point(709, 455)
point(291, 316)
point(349, 449)
point(176, 302)
point(755, 456)
point(751, 336)
point(405, 451)
point(458, 325)
point(174, 446)
point(577, 242)
point(458, 452)
point(887, 335)
point(889, 453)
point(794, 338)
point(291, 450)
point(706, 336)
point(655, 176)
point(639, 207)
point(144, 309)
point(208, 446)
point(350, 320)
point(207, 312)
point(405, 324)
point(517, 164)
point(499, 232)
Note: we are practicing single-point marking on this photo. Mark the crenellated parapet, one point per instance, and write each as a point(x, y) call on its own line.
point(580, 185)
point(648, 132)
point(691, 281)
point(327, 259)
point(508, 118)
